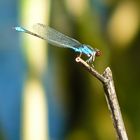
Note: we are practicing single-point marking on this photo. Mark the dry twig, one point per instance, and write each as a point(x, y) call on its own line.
point(111, 98)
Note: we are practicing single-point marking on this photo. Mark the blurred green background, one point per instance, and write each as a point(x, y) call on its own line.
point(75, 105)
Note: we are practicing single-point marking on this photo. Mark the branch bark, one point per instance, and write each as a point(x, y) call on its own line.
point(107, 80)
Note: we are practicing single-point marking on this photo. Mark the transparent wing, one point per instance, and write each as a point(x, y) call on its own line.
point(54, 37)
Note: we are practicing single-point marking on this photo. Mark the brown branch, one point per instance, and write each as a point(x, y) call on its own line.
point(111, 98)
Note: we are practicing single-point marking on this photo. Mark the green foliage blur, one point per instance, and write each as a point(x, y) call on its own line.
point(108, 26)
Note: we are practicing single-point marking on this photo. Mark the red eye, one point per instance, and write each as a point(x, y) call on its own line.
point(98, 52)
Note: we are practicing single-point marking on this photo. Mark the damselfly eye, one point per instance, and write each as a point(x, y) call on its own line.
point(98, 52)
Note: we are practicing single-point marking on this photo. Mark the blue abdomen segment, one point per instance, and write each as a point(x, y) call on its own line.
point(85, 49)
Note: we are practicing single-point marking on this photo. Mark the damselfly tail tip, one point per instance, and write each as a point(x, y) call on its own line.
point(18, 28)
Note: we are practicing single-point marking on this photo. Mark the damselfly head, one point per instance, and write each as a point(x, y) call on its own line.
point(98, 52)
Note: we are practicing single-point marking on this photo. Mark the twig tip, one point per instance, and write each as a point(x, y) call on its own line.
point(77, 59)
point(107, 73)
